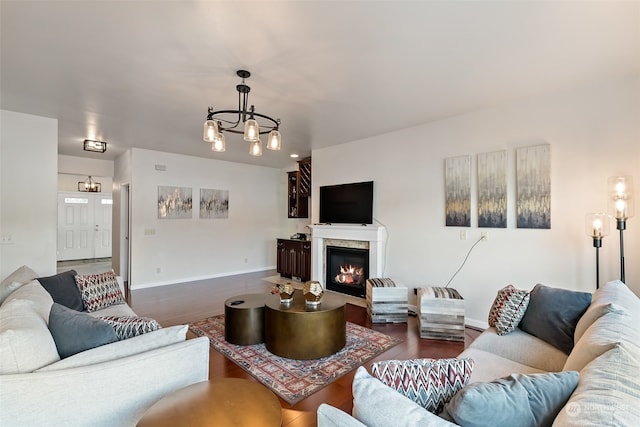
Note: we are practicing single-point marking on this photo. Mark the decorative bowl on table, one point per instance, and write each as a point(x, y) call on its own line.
point(312, 292)
point(286, 293)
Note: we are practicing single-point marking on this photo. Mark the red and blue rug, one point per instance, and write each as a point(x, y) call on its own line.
point(294, 380)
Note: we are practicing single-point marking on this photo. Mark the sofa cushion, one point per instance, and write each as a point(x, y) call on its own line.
point(593, 313)
point(489, 366)
point(553, 313)
point(376, 405)
point(618, 293)
point(36, 294)
point(130, 326)
point(63, 289)
point(507, 309)
point(604, 334)
point(121, 349)
point(328, 416)
point(19, 277)
point(99, 290)
point(428, 382)
point(25, 341)
point(608, 393)
point(520, 347)
point(74, 331)
point(516, 401)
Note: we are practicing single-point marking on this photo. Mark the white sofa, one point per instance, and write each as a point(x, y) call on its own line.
point(606, 354)
point(111, 385)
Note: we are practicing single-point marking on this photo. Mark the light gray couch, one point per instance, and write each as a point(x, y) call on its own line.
point(111, 385)
point(606, 354)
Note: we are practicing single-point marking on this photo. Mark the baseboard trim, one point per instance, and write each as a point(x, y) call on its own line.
point(135, 287)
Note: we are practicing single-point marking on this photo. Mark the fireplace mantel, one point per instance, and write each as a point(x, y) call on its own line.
point(376, 235)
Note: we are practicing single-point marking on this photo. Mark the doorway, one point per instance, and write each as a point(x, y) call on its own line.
point(84, 226)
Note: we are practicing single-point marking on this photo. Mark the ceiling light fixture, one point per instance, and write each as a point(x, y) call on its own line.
point(89, 186)
point(96, 146)
point(224, 121)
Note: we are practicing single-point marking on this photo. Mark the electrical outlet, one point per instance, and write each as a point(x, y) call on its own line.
point(158, 270)
point(484, 235)
point(463, 235)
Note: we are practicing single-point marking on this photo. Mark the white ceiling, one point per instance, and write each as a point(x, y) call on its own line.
point(142, 73)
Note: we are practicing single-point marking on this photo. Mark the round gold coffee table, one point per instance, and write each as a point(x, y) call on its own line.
point(220, 402)
point(300, 331)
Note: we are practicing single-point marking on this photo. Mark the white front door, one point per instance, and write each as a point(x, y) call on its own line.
point(102, 216)
point(84, 226)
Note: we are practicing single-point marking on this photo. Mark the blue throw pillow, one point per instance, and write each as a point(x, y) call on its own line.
point(516, 401)
point(63, 289)
point(73, 331)
point(553, 313)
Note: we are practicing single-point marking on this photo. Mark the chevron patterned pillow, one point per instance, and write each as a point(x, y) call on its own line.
point(508, 309)
point(130, 326)
point(99, 290)
point(429, 382)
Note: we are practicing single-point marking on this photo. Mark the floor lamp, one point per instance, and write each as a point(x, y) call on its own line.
point(621, 206)
point(597, 226)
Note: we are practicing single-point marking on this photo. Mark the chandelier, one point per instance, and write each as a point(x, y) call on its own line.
point(222, 121)
point(89, 186)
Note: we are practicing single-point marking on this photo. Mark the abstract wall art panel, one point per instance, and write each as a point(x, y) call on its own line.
point(492, 189)
point(174, 202)
point(457, 182)
point(214, 203)
point(533, 180)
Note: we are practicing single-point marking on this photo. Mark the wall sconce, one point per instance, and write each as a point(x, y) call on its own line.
point(96, 146)
point(597, 226)
point(621, 207)
point(89, 186)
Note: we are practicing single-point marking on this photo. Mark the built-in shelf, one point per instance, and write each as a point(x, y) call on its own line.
point(299, 190)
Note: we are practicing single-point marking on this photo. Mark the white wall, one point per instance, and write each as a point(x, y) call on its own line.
point(28, 201)
point(594, 133)
point(166, 251)
point(72, 169)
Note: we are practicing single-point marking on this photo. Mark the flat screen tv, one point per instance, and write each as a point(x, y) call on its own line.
point(347, 203)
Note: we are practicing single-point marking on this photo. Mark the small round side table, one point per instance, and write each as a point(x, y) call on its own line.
point(222, 402)
point(244, 319)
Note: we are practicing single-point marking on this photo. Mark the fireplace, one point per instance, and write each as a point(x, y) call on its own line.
point(370, 238)
point(347, 270)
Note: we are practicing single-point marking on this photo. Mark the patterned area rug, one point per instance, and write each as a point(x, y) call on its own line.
point(294, 380)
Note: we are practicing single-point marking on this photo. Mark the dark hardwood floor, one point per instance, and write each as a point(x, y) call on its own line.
point(189, 302)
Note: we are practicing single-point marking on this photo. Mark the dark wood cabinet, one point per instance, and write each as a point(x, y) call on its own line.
point(294, 258)
point(305, 261)
point(299, 190)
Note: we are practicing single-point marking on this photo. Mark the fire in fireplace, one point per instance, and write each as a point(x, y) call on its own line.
point(347, 270)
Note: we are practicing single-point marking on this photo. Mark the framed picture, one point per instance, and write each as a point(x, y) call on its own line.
point(492, 189)
point(174, 202)
point(457, 182)
point(214, 203)
point(533, 179)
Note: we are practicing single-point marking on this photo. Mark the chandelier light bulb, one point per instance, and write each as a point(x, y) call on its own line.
point(210, 131)
point(256, 148)
point(251, 130)
point(218, 143)
point(274, 140)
